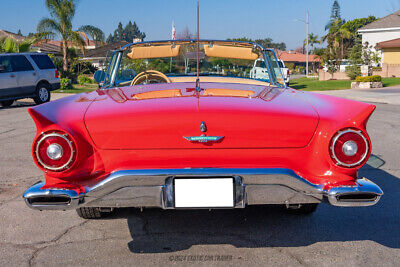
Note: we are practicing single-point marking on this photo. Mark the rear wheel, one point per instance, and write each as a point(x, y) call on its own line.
point(89, 213)
point(42, 94)
point(302, 209)
point(6, 103)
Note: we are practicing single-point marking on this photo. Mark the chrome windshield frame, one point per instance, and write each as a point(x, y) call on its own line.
point(119, 53)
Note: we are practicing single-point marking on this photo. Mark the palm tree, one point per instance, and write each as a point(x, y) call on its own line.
point(60, 24)
point(312, 40)
point(343, 34)
point(10, 45)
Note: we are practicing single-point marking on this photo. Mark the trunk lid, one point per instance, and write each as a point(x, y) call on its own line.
point(166, 116)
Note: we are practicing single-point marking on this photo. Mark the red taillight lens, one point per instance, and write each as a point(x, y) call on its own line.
point(55, 151)
point(57, 75)
point(349, 148)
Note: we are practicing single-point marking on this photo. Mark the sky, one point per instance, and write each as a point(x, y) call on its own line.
point(219, 19)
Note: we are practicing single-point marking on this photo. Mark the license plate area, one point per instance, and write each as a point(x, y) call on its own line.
point(218, 192)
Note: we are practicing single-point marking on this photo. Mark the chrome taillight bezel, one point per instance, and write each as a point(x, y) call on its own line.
point(336, 138)
point(70, 143)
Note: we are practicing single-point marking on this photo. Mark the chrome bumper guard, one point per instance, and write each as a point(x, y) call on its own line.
point(154, 188)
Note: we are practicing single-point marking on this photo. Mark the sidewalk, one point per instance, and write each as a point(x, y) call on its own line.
point(387, 95)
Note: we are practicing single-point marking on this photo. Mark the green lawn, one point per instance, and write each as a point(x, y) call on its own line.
point(390, 81)
point(312, 84)
point(79, 89)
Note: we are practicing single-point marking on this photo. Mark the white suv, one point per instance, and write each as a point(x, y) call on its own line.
point(27, 75)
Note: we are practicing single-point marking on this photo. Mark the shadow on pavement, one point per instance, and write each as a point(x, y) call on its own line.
point(158, 231)
point(19, 104)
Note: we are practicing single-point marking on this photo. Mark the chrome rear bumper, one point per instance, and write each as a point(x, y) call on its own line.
point(154, 188)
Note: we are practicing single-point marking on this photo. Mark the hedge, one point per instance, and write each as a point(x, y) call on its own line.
point(366, 79)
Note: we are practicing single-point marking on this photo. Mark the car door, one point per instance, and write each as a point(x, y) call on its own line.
point(8, 79)
point(26, 75)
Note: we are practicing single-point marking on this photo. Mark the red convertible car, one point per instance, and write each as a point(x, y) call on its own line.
point(181, 125)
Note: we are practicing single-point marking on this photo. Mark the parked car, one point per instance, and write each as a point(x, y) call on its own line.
point(27, 75)
point(177, 136)
point(260, 71)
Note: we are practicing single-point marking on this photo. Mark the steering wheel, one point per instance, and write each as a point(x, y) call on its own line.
point(150, 76)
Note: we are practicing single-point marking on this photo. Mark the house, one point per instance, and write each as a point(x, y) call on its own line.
point(381, 35)
point(295, 60)
point(46, 48)
point(98, 56)
point(7, 34)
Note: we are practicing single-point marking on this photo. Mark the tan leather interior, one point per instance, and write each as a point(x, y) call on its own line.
point(154, 51)
point(150, 75)
point(230, 52)
point(157, 94)
point(227, 92)
point(216, 79)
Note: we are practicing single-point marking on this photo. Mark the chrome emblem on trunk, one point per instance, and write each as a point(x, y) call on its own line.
point(203, 138)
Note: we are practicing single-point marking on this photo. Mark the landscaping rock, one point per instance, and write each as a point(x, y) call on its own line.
point(366, 85)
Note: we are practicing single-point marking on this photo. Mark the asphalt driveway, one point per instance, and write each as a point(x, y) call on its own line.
point(367, 236)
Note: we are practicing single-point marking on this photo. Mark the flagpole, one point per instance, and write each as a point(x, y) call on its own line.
point(198, 48)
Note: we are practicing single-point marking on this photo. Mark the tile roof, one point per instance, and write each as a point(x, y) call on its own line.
point(389, 44)
point(6, 34)
point(390, 21)
point(289, 56)
point(47, 48)
point(103, 50)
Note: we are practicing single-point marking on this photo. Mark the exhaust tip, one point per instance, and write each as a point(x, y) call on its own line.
point(49, 200)
point(357, 197)
point(364, 193)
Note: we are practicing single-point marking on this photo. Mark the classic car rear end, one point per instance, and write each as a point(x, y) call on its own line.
point(170, 142)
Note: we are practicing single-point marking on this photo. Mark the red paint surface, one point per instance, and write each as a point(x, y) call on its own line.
point(275, 128)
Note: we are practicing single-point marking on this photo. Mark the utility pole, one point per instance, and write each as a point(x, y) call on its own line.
point(307, 45)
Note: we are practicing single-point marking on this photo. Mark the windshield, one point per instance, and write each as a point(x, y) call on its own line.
point(166, 62)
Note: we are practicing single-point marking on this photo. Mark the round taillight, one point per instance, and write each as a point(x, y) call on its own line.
point(55, 151)
point(349, 148)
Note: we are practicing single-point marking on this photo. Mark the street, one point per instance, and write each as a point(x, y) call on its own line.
point(367, 236)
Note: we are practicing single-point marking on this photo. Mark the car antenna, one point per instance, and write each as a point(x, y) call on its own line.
point(198, 89)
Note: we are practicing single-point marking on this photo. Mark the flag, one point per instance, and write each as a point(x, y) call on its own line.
point(173, 31)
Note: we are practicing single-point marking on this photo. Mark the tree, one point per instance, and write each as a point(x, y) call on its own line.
point(9, 45)
point(19, 32)
point(266, 43)
point(95, 33)
point(312, 40)
point(185, 34)
point(335, 14)
point(128, 34)
point(59, 24)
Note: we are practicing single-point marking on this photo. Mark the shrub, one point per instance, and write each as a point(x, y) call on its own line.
point(65, 84)
point(374, 78)
point(353, 71)
point(84, 80)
